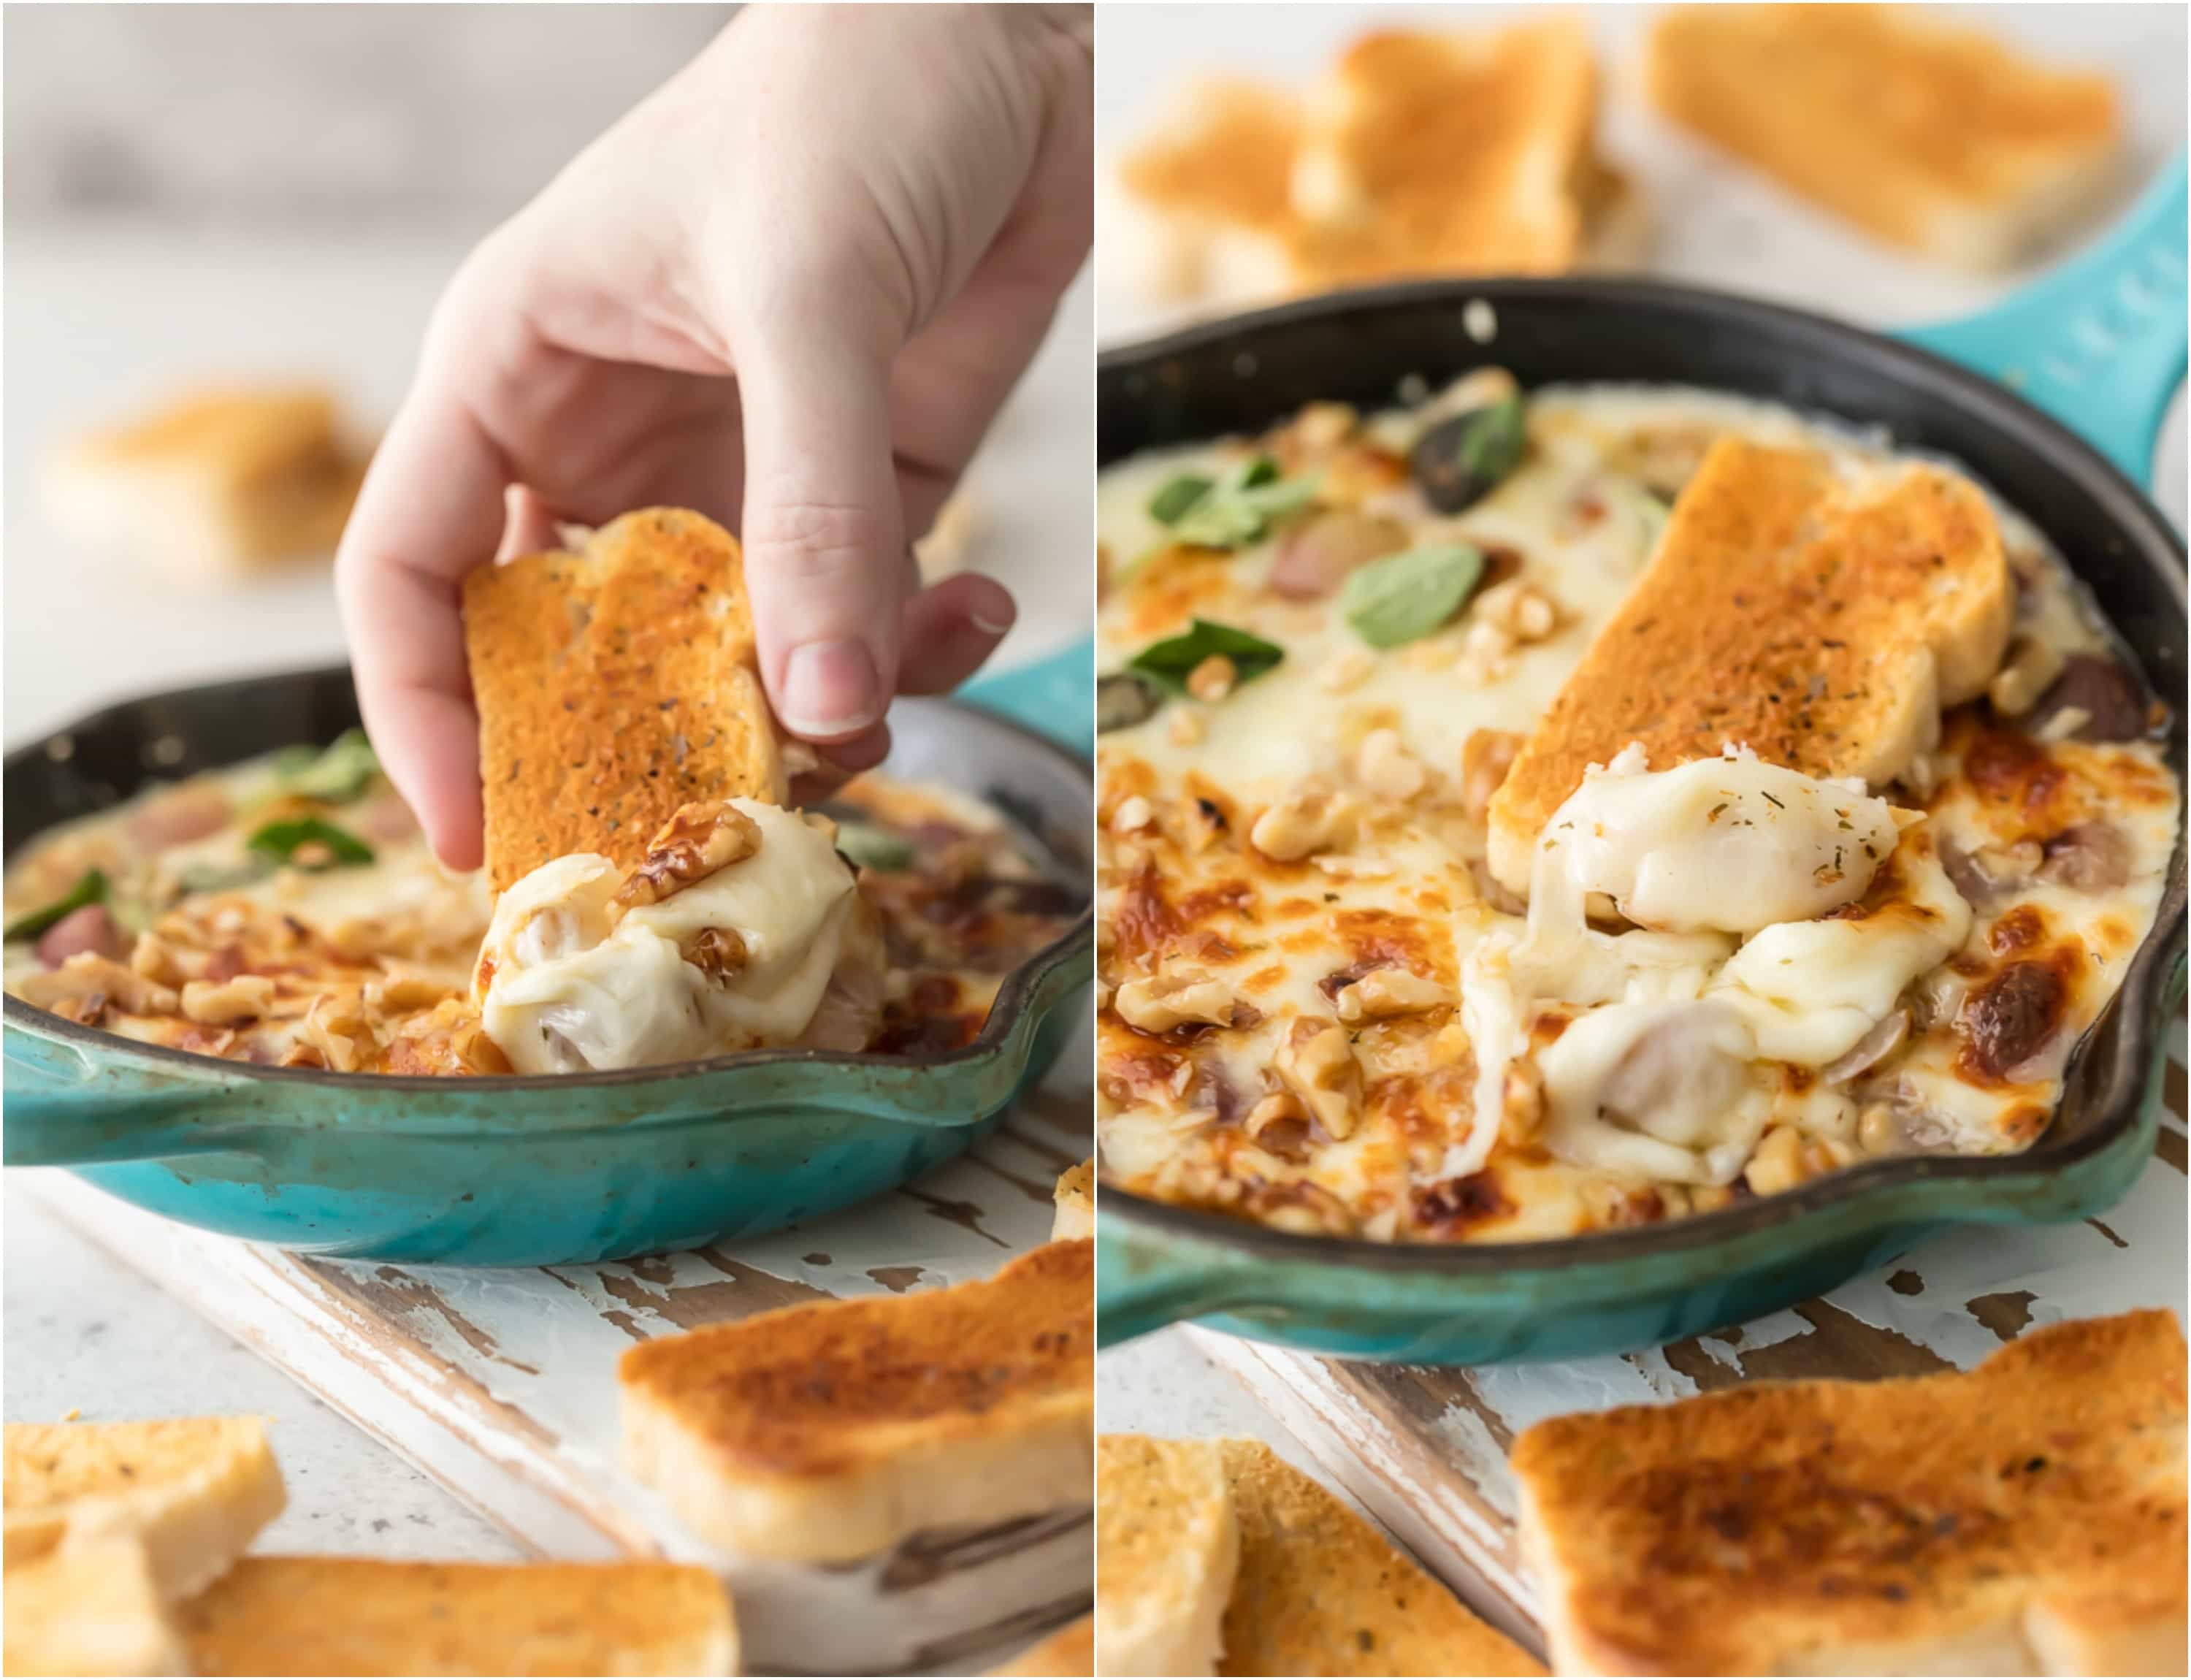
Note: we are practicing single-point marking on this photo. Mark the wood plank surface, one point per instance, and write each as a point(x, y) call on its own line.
point(1424, 1449)
point(501, 1384)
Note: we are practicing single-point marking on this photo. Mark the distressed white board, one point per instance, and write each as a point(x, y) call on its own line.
point(501, 1384)
point(1425, 1450)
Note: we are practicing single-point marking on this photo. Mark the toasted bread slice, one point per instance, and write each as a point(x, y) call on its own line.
point(2024, 1518)
point(1321, 1592)
point(215, 485)
point(193, 1491)
point(368, 1615)
point(1820, 619)
point(1075, 1197)
point(91, 1608)
point(831, 1432)
point(1166, 1547)
point(1931, 136)
point(1069, 1651)
point(1422, 153)
point(1219, 173)
point(613, 686)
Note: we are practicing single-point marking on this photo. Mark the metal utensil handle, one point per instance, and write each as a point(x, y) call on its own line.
point(2099, 344)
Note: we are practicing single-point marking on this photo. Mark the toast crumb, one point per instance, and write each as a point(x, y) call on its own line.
point(614, 686)
point(1075, 1197)
point(1764, 1528)
point(830, 1431)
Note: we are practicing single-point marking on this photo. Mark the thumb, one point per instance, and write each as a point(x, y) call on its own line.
point(823, 528)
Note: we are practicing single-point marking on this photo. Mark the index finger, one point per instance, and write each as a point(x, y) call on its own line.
point(429, 511)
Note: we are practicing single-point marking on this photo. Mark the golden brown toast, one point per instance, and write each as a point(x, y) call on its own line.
point(1822, 622)
point(91, 1608)
point(1321, 1592)
point(1069, 1651)
point(1422, 152)
point(1935, 137)
point(216, 484)
point(613, 686)
point(366, 1616)
point(830, 1431)
point(1075, 1197)
point(192, 1490)
point(1166, 1547)
point(2026, 1517)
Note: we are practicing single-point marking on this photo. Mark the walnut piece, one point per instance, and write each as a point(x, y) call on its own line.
point(698, 839)
point(717, 951)
point(217, 1002)
point(1307, 820)
point(1386, 992)
point(1318, 1064)
point(1165, 1001)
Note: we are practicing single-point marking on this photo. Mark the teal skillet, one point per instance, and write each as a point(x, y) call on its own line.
point(536, 1172)
point(2094, 350)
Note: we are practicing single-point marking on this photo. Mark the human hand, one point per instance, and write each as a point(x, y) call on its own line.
point(789, 290)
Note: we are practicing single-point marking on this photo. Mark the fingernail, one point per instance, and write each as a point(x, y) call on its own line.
point(830, 688)
point(988, 625)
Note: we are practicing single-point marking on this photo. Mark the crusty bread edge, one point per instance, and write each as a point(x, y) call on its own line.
point(1043, 1465)
point(1192, 1642)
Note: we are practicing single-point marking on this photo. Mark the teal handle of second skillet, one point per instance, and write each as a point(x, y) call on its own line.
point(1055, 696)
point(2099, 343)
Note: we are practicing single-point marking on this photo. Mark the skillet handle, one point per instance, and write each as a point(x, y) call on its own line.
point(1143, 1284)
point(2099, 343)
point(65, 1110)
point(1055, 696)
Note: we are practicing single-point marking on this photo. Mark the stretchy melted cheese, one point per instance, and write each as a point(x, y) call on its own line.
point(1321, 1010)
point(568, 988)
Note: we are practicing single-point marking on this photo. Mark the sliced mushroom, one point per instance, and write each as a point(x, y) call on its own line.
point(2102, 687)
point(1869, 1051)
point(2010, 1017)
point(2091, 857)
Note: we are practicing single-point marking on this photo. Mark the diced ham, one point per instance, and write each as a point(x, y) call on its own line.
point(188, 813)
point(89, 929)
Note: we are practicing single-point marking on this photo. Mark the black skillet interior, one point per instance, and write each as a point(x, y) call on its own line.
point(1244, 374)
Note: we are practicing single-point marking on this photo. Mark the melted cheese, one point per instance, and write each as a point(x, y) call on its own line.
point(570, 991)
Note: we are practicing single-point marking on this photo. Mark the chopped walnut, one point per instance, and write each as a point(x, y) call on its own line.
point(1521, 1104)
point(1485, 758)
point(217, 1002)
point(1318, 1063)
point(1133, 812)
point(1201, 823)
point(1167, 1001)
point(1279, 1124)
point(337, 1029)
point(157, 960)
point(89, 975)
point(404, 988)
point(1387, 768)
point(700, 839)
point(717, 951)
point(1213, 678)
point(1385, 992)
point(1344, 672)
point(1784, 1157)
point(1521, 611)
point(1186, 728)
point(1309, 819)
point(1306, 1210)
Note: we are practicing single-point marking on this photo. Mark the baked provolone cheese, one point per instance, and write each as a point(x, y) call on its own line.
point(1319, 1010)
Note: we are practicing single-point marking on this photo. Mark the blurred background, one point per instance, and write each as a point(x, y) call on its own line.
point(204, 195)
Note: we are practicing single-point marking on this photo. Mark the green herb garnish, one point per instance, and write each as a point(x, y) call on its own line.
point(1406, 596)
point(337, 775)
point(1231, 512)
point(90, 888)
point(1172, 661)
point(1459, 461)
point(1124, 698)
point(323, 845)
point(873, 848)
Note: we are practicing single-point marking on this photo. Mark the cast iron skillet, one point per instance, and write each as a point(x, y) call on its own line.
point(531, 1171)
point(1619, 1290)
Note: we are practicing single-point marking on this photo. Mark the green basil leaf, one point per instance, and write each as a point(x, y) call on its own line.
point(1260, 469)
point(1405, 596)
point(869, 847)
point(90, 888)
point(337, 775)
point(1177, 495)
point(284, 839)
point(1124, 698)
point(1170, 661)
point(1219, 521)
